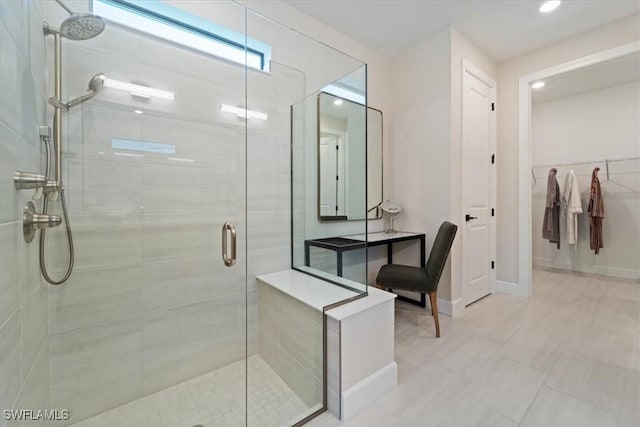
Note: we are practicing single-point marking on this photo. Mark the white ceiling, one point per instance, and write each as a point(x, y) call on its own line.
point(503, 29)
point(610, 73)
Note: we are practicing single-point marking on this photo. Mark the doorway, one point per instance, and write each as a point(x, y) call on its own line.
point(525, 262)
point(332, 197)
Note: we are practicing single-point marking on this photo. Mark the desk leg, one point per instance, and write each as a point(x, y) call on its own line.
point(423, 264)
point(339, 268)
point(307, 255)
point(389, 253)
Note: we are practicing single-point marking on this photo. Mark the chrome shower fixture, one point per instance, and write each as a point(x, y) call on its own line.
point(95, 84)
point(32, 221)
point(80, 26)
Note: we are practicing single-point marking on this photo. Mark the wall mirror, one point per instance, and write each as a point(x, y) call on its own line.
point(340, 132)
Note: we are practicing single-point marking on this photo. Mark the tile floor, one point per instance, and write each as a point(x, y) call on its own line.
point(568, 356)
point(213, 399)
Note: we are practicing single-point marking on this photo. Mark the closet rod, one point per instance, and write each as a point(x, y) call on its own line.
point(624, 159)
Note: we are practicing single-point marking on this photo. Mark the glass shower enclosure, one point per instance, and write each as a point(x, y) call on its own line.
point(177, 175)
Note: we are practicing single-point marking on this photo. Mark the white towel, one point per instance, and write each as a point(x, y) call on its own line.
point(572, 206)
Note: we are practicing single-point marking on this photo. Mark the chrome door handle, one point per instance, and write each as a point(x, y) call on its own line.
point(229, 261)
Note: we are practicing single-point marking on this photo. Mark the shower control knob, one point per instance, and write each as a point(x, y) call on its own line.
point(32, 221)
point(46, 221)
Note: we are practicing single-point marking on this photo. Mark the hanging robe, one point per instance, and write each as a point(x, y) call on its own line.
point(551, 223)
point(596, 213)
point(572, 206)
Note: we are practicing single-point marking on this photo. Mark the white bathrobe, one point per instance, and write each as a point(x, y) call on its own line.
point(572, 207)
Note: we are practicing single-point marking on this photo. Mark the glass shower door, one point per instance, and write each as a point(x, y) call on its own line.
point(151, 326)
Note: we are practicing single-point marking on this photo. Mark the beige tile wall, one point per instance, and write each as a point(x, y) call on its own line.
point(24, 369)
point(290, 341)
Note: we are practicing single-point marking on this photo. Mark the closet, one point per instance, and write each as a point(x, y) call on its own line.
point(582, 120)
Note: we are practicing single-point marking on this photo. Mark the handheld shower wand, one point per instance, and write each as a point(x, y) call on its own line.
point(95, 84)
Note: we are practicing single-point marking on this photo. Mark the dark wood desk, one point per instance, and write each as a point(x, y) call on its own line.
point(359, 241)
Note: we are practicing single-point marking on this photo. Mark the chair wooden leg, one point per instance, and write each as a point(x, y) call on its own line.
point(433, 299)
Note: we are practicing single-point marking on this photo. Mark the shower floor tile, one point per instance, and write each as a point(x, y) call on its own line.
point(213, 399)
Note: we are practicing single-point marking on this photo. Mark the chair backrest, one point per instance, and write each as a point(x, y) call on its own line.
point(440, 251)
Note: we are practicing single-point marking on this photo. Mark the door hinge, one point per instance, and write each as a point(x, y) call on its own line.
point(493, 212)
point(493, 159)
point(337, 178)
point(337, 147)
point(336, 208)
point(493, 265)
point(493, 106)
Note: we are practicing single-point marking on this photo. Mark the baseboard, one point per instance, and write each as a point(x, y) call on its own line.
point(450, 308)
point(365, 392)
point(510, 288)
point(604, 270)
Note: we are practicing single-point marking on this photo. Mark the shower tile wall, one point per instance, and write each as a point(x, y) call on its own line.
point(24, 345)
point(150, 303)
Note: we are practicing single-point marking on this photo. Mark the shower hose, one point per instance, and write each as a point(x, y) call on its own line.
point(45, 207)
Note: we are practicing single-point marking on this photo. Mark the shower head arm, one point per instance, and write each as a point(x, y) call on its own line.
point(49, 30)
point(65, 7)
point(80, 99)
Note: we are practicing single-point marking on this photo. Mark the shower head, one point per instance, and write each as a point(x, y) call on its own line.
point(95, 84)
point(79, 26)
point(82, 26)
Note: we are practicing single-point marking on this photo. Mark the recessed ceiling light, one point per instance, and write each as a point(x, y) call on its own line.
point(550, 5)
point(338, 102)
point(537, 85)
point(137, 111)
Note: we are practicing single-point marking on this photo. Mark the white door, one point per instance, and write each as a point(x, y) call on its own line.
point(478, 183)
point(331, 176)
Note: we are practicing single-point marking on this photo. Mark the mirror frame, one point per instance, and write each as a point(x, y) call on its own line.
point(376, 208)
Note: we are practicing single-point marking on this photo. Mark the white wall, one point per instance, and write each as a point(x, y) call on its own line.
point(606, 37)
point(600, 124)
point(420, 133)
point(595, 125)
point(426, 126)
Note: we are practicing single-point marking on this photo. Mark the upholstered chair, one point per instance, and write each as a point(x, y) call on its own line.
point(422, 279)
